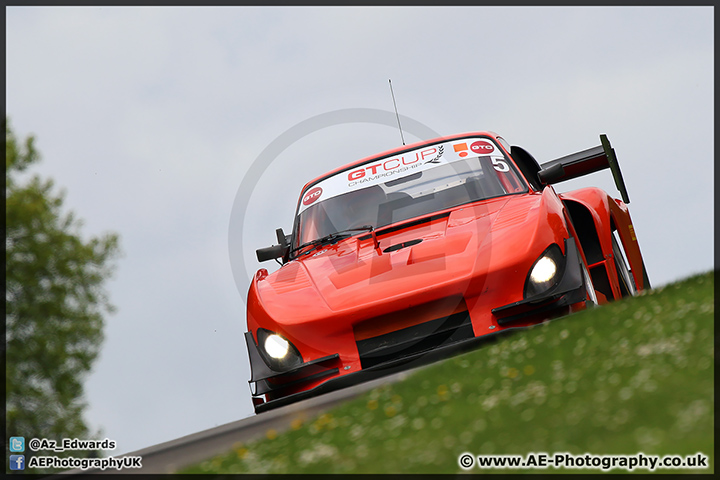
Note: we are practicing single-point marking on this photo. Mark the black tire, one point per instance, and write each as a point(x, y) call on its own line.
point(590, 296)
point(625, 277)
point(646, 279)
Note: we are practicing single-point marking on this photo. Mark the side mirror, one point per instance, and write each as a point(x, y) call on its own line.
point(282, 239)
point(551, 174)
point(270, 253)
point(275, 251)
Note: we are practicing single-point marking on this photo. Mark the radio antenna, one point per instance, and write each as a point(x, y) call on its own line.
point(396, 112)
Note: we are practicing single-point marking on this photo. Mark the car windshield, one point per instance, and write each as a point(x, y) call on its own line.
point(413, 184)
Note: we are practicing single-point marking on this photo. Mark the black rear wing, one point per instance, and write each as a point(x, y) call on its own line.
point(584, 163)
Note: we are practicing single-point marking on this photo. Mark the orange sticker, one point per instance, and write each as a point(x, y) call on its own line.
point(632, 232)
point(460, 146)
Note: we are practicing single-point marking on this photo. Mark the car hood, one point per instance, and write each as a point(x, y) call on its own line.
point(435, 257)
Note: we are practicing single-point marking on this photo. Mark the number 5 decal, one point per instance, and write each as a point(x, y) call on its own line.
point(500, 165)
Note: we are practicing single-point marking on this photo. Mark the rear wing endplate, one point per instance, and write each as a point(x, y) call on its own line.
point(587, 162)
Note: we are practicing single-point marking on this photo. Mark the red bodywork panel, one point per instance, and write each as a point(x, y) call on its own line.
point(612, 214)
point(471, 258)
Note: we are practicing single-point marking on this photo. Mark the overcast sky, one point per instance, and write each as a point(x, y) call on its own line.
point(150, 118)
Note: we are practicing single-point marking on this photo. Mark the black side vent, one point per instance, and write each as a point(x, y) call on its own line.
point(585, 226)
point(414, 340)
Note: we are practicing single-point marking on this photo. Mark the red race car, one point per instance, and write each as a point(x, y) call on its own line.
point(427, 250)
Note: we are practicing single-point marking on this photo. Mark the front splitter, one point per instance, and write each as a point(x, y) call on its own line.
point(387, 368)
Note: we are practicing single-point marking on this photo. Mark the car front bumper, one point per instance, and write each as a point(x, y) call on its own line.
point(412, 346)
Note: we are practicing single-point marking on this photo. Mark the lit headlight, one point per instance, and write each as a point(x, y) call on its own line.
point(278, 353)
point(545, 272)
point(276, 346)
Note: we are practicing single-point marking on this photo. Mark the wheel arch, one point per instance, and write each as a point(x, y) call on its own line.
point(588, 211)
point(595, 216)
point(622, 223)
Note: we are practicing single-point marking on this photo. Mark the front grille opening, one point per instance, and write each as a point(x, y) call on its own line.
point(415, 339)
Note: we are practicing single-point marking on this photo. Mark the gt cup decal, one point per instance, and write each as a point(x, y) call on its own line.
point(383, 170)
point(387, 167)
point(441, 150)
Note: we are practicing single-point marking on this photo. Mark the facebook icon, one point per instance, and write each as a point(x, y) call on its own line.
point(17, 462)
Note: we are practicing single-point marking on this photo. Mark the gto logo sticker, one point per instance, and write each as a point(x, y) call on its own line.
point(312, 195)
point(482, 147)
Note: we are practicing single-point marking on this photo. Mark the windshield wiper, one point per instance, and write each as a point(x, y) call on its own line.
point(335, 237)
